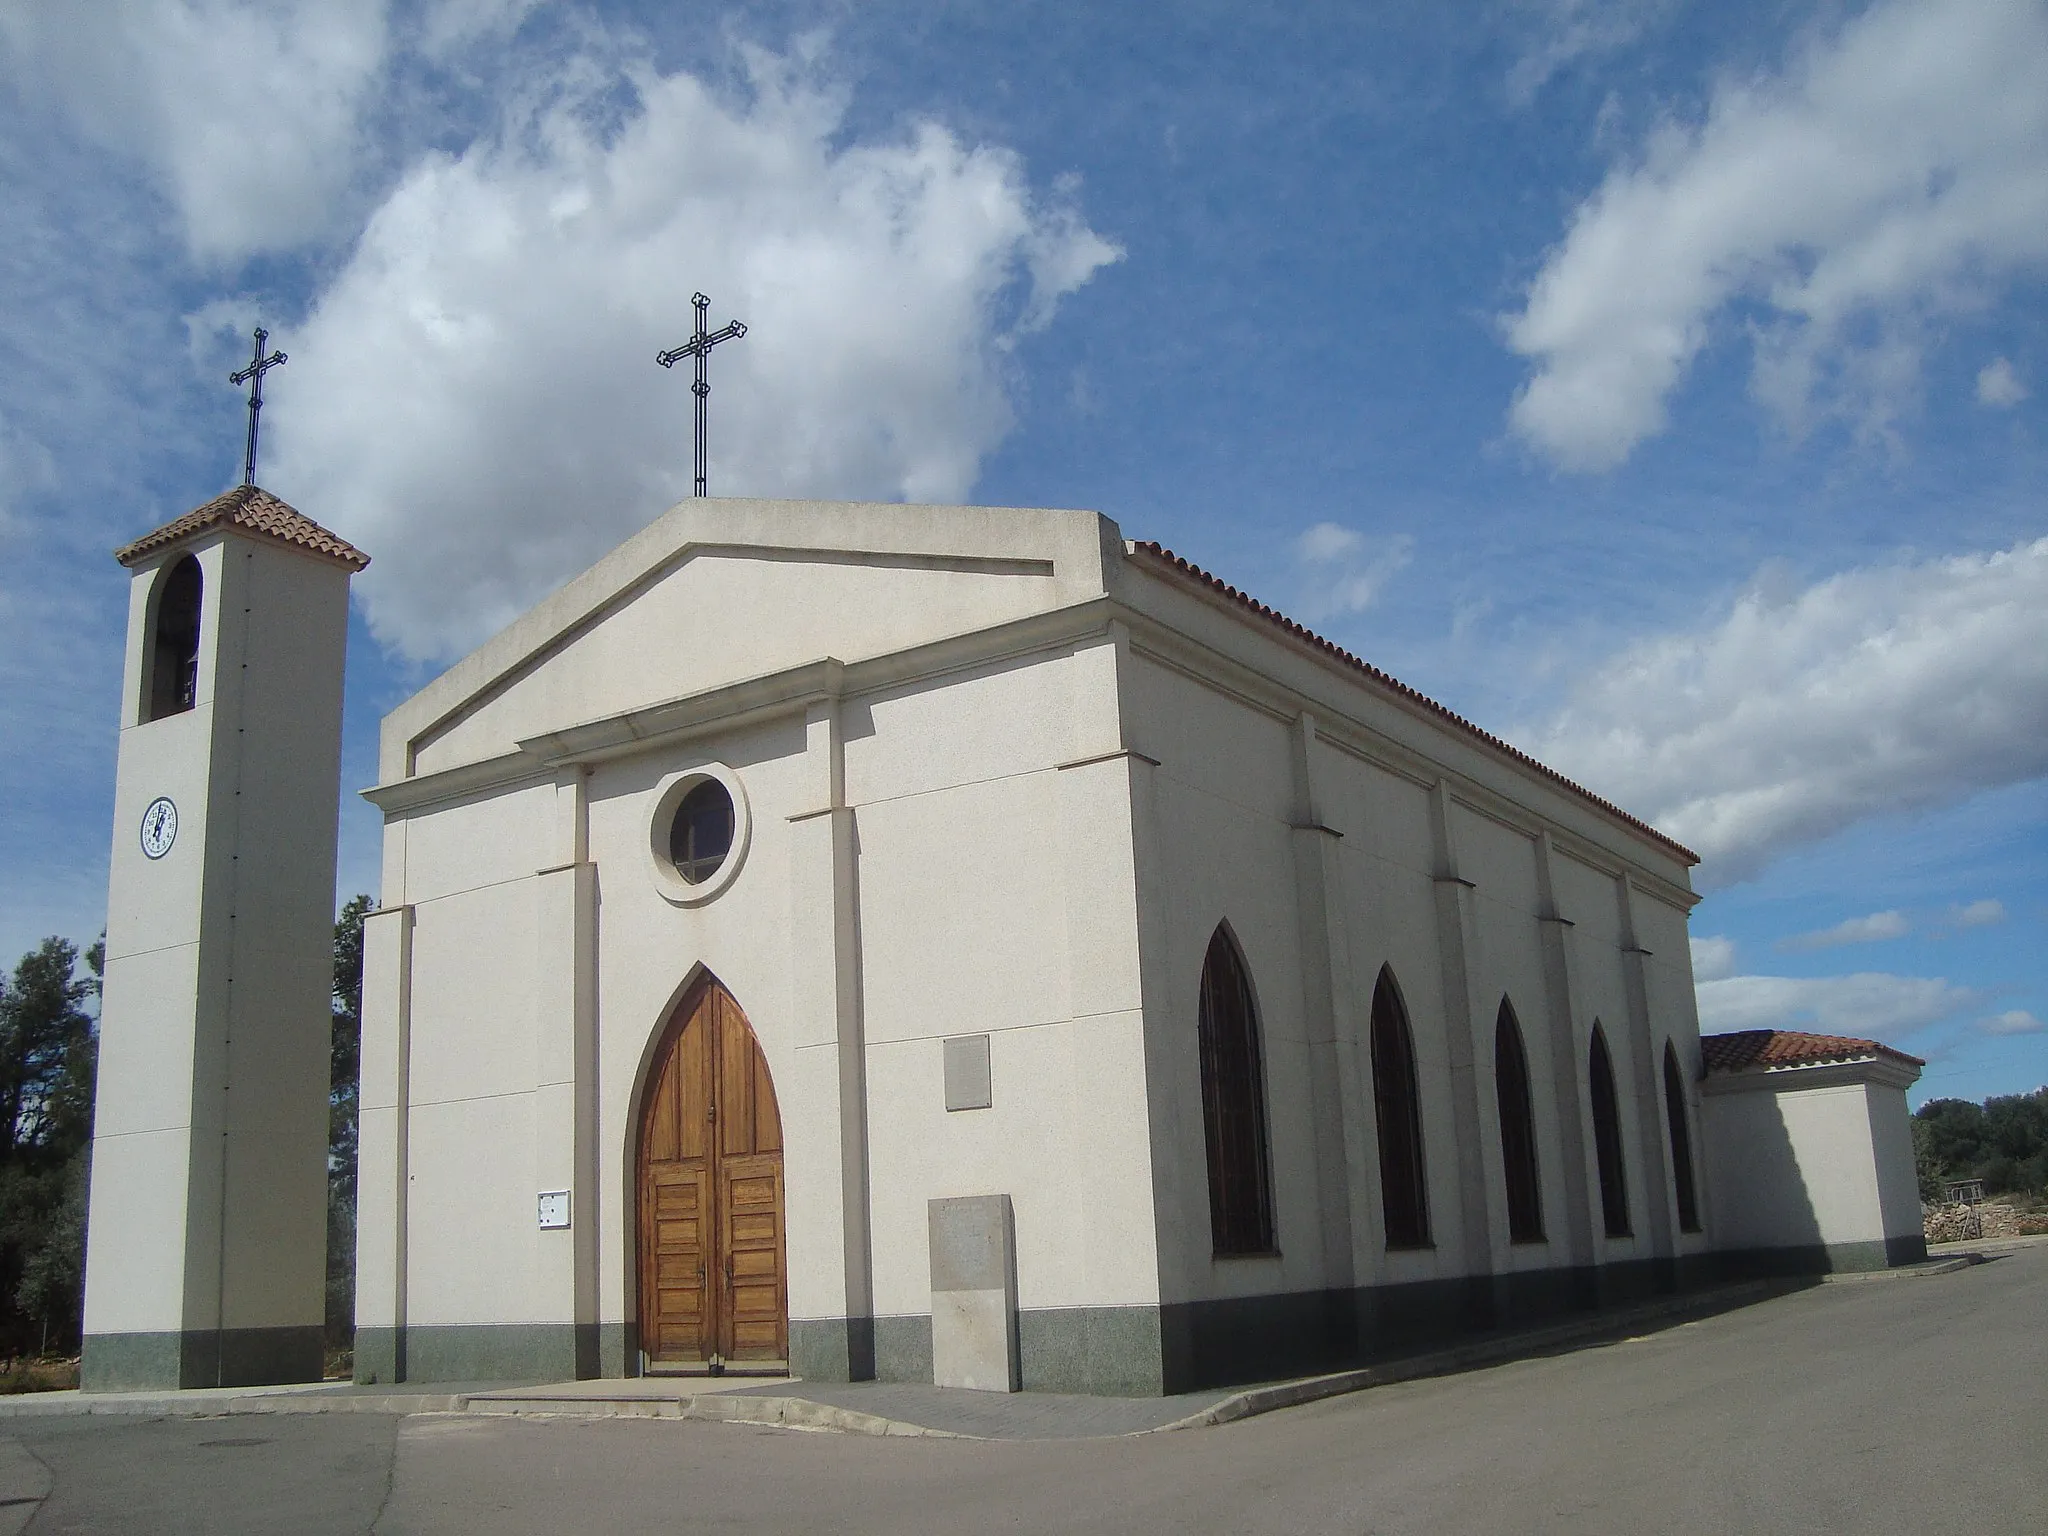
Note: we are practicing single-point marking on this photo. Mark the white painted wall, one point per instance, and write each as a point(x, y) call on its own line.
point(210, 1131)
point(1217, 695)
point(1898, 1181)
point(1221, 805)
point(1811, 1155)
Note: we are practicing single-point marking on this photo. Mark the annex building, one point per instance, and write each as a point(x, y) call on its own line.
point(957, 944)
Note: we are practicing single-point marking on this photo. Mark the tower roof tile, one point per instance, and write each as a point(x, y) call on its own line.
point(252, 508)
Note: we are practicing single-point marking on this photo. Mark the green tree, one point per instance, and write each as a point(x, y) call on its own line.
point(51, 1294)
point(2003, 1141)
point(1933, 1177)
point(45, 1035)
point(48, 1058)
point(343, 1100)
point(1955, 1131)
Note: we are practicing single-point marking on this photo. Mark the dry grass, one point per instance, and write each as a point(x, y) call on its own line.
point(17, 1376)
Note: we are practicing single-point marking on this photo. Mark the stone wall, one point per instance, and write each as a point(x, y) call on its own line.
point(1966, 1223)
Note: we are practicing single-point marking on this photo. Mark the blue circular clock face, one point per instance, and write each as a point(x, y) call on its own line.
point(159, 827)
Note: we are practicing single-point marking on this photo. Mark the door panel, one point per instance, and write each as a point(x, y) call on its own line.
point(712, 1243)
point(682, 1263)
point(751, 1211)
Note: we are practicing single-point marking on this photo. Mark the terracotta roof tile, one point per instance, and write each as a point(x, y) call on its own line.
point(1752, 1049)
point(1330, 648)
point(253, 508)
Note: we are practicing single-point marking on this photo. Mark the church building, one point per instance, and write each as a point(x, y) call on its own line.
point(950, 944)
point(817, 922)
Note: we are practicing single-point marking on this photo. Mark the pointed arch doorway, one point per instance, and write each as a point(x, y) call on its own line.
point(714, 1289)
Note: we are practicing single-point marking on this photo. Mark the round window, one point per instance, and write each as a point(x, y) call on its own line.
point(698, 828)
point(700, 837)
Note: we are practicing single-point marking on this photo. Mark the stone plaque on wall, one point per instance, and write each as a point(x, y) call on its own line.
point(967, 1073)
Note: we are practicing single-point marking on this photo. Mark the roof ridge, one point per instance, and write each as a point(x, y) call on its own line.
point(1302, 632)
point(252, 508)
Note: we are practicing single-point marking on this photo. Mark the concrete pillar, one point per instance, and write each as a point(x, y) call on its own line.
point(974, 1293)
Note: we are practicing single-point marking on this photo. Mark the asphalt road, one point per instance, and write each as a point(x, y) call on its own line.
point(1901, 1405)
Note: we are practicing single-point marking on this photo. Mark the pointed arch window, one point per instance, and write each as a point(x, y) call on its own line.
point(1234, 1105)
point(1607, 1136)
point(172, 677)
point(1404, 1194)
point(1517, 1129)
point(1681, 1143)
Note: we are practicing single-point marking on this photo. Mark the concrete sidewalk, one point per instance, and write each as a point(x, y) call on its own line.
point(896, 1408)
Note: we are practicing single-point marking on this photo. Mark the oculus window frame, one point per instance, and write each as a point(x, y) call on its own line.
point(693, 880)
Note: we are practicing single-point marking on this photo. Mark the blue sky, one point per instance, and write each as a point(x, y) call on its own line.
point(1661, 385)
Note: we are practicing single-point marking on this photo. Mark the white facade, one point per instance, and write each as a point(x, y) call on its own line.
point(999, 773)
point(1811, 1163)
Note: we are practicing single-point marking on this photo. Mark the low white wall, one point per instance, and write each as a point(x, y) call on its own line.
point(1810, 1158)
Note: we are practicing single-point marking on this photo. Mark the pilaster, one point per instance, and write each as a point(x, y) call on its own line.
point(1567, 1056)
point(1458, 943)
point(831, 1264)
point(565, 1077)
point(1328, 1005)
point(383, 1145)
point(1653, 1152)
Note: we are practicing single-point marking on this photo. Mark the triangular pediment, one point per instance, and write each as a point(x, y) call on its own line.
point(719, 591)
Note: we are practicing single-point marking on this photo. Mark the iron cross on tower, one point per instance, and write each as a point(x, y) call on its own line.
point(699, 346)
point(253, 377)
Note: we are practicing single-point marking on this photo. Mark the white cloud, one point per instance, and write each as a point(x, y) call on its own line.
point(1565, 31)
point(1713, 957)
point(474, 398)
point(447, 26)
point(1977, 914)
point(1343, 570)
point(1877, 690)
point(1998, 386)
point(1874, 929)
point(2015, 1022)
point(246, 113)
point(1894, 171)
point(1867, 1005)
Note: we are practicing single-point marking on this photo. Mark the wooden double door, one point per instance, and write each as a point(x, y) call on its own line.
point(713, 1283)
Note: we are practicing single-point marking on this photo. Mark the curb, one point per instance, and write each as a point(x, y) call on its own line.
point(777, 1412)
point(191, 1405)
point(780, 1412)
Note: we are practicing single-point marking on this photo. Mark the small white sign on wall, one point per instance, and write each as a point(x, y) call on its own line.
point(554, 1208)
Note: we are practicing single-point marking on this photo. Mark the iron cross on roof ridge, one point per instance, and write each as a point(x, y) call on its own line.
point(253, 377)
point(699, 347)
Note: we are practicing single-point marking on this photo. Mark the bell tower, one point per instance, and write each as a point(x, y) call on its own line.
point(207, 1234)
